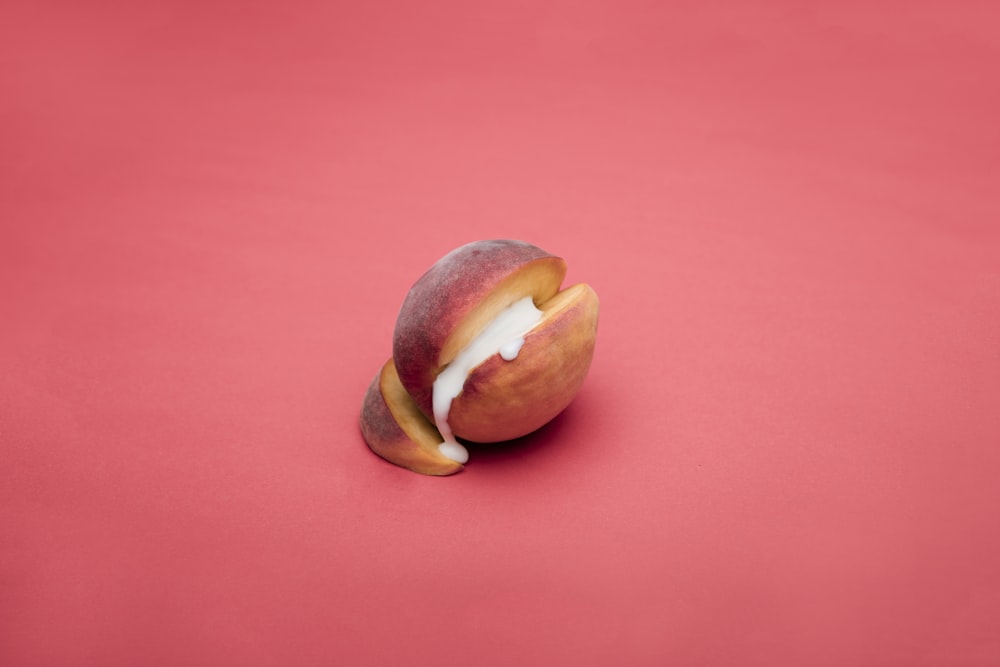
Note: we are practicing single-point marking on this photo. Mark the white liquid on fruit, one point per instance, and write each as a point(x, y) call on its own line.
point(503, 336)
point(510, 350)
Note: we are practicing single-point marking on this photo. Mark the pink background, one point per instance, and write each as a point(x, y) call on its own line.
point(787, 450)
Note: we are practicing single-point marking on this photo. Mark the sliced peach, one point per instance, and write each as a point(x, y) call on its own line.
point(396, 430)
point(486, 348)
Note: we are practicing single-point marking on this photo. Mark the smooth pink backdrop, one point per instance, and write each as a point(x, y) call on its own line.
point(787, 451)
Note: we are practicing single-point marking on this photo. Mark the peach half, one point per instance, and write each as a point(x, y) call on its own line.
point(487, 348)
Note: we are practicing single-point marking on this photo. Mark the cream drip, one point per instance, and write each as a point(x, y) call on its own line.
point(504, 336)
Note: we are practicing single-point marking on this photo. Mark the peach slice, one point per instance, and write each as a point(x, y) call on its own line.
point(502, 400)
point(396, 430)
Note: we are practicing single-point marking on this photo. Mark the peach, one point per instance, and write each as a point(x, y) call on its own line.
point(486, 348)
point(396, 430)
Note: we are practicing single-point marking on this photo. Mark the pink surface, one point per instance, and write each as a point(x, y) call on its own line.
point(787, 451)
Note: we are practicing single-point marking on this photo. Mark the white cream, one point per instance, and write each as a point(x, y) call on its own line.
point(503, 336)
point(510, 350)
